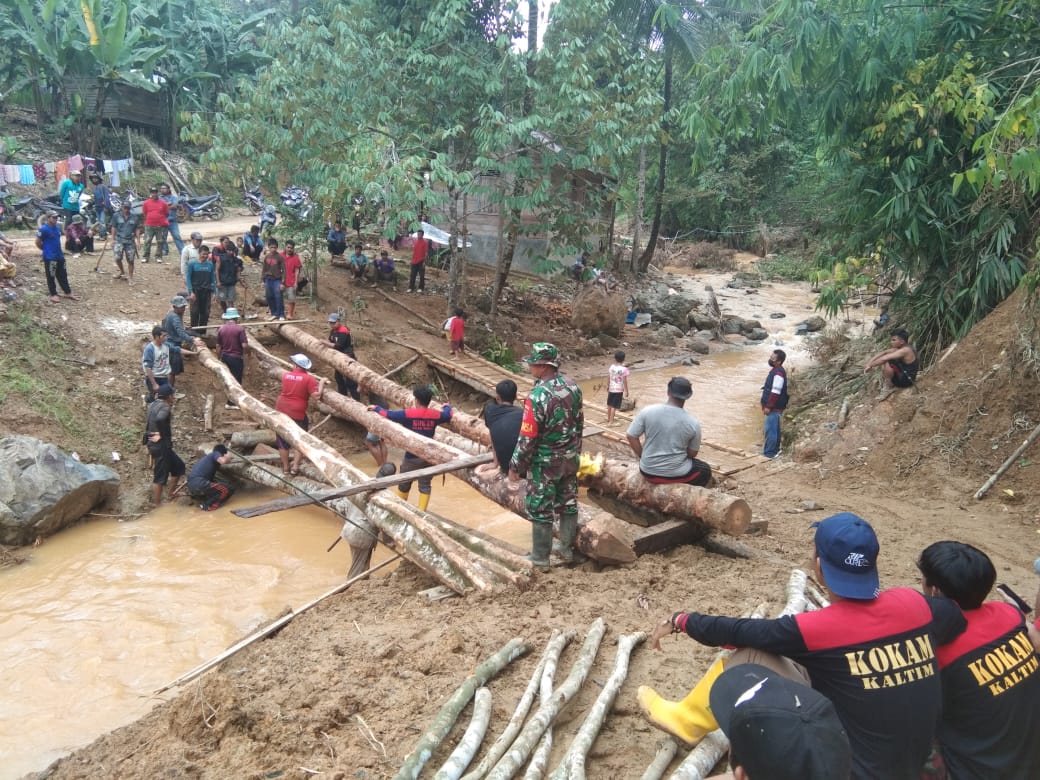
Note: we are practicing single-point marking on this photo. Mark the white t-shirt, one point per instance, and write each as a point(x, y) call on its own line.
point(670, 432)
point(616, 378)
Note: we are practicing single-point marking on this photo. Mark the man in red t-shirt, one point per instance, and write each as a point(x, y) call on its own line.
point(298, 387)
point(293, 267)
point(420, 251)
point(156, 213)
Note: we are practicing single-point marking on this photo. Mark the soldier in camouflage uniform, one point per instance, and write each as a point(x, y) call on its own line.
point(547, 452)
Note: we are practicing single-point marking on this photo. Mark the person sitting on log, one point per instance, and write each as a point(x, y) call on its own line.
point(991, 708)
point(298, 387)
point(203, 484)
point(668, 453)
point(418, 418)
point(872, 653)
point(778, 728)
point(503, 418)
point(899, 364)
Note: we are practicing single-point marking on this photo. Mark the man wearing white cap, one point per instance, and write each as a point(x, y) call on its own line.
point(231, 344)
point(298, 387)
point(70, 191)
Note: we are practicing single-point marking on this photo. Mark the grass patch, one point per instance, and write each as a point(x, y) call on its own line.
point(783, 266)
point(42, 397)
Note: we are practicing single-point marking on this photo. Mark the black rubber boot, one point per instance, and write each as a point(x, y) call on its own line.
point(541, 543)
point(568, 531)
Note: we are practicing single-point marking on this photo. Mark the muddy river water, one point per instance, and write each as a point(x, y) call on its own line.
point(105, 613)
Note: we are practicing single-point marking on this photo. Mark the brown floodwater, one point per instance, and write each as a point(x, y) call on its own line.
point(105, 613)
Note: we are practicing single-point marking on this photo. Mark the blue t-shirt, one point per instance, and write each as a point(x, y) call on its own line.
point(172, 200)
point(50, 237)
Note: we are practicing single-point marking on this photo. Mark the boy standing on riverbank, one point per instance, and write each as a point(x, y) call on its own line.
point(617, 385)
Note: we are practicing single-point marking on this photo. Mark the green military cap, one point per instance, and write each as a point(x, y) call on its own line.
point(544, 353)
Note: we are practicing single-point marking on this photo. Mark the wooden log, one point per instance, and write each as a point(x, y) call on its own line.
point(281, 504)
point(557, 641)
point(573, 764)
point(400, 367)
point(607, 539)
point(449, 713)
point(796, 600)
point(246, 440)
point(665, 753)
point(1007, 464)
point(532, 731)
point(620, 479)
point(207, 414)
point(408, 529)
point(462, 755)
point(703, 758)
point(540, 759)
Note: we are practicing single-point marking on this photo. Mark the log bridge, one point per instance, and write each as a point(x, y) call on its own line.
point(481, 374)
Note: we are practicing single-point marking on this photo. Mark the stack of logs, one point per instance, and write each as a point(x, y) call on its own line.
point(457, 557)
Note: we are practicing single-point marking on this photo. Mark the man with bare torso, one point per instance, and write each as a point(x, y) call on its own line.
point(898, 365)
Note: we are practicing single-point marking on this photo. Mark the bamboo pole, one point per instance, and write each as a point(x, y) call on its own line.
point(449, 713)
point(524, 745)
point(1007, 464)
point(269, 629)
point(573, 764)
point(557, 641)
point(462, 755)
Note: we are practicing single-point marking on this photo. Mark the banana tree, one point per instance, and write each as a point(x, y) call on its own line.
point(42, 40)
point(119, 56)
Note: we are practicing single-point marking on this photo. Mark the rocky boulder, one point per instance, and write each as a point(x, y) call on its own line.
point(701, 321)
point(597, 310)
point(698, 345)
point(814, 324)
point(666, 305)
point(666, 335)
point(43, 490)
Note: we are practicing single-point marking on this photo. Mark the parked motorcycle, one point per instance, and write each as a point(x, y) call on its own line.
point(16, 211)
point(200, 207)
point(268, 218)
point(297, 201)
point(253, 199)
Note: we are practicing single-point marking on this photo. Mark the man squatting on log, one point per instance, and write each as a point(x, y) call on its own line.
point(548, 452)
point(418, 418)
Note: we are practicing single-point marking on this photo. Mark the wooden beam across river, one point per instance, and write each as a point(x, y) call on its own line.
point(290, 502)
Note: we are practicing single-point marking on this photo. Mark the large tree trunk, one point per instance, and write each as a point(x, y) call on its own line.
point(619, 479)
point(408, 529)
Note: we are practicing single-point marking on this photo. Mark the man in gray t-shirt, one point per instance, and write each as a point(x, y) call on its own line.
point(671, 440)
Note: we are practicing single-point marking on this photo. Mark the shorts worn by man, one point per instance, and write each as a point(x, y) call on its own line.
point(421, 419)
point(203, 483)
point(872, 653)
point(158, 438)
point(671, 440)
point(124, 229)
point(899, 365)
point(990, 674)
point(548, 451)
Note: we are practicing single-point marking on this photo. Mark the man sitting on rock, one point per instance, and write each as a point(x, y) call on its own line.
point(672, 438)
point(898, 365)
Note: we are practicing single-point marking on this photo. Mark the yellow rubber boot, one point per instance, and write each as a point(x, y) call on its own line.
point(401, 494)
point(689, 719)
point(424, 500)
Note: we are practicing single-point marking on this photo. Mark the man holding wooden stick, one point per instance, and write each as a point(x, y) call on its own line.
point(872, 653)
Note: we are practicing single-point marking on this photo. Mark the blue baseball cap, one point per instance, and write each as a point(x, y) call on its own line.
point(848, 550)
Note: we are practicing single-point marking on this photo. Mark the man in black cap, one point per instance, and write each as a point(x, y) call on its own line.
point(672, 438)
point(872, 653)
point(158, 438)
point(778, 729)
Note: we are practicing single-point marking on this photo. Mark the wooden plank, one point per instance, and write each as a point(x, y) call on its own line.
point(290, 502)
point(668, 535)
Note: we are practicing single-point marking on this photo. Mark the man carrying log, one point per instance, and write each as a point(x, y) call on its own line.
point(203, 484)
point(547, 452)
point(990, 673)
point(871, 653)
point(418, 418)
point(298, 387)
point(668, 453)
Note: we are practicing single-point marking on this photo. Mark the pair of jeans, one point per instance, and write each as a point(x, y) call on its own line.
point(273, 296)
point(174, 233)
point(772, 445)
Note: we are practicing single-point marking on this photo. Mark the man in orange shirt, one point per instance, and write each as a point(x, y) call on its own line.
point(420, 251)
point(298, 386)
point(156, 224)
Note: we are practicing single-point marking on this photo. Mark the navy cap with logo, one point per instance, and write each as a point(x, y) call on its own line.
point(848, 550)
point(779, 728)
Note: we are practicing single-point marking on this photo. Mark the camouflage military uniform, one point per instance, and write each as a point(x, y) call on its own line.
point(548, 449)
